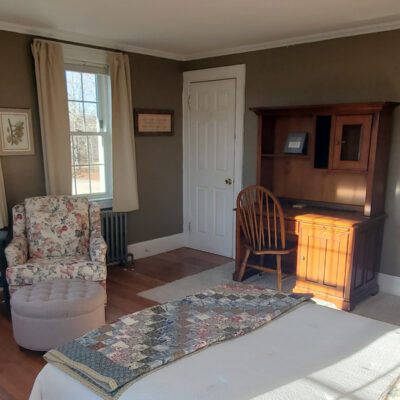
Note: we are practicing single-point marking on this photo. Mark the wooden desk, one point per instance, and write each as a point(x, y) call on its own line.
point(337, 255)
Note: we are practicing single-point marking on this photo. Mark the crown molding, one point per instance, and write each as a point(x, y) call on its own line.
point(115, 45)
point(79, 38)
point(315, 37)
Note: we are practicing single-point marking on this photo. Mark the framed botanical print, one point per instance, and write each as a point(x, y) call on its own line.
point(16, 135)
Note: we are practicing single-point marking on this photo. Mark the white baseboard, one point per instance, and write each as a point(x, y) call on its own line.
point(156, 246)
point(389, 284)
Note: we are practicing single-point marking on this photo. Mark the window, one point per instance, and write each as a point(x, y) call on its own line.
point(90, 128)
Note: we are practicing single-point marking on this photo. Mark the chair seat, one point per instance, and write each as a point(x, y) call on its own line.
point(41, 269)
point(290, 247)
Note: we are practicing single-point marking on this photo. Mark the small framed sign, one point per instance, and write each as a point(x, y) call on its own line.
point(154, 122)
point(16, 135)
point(296, 143)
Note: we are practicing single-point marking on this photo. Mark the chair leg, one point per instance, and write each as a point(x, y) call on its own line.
point(244, 264)
point(279, 271)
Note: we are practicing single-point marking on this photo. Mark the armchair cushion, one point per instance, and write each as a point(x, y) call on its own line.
point(57, 234)
point(17, 251)
point(37, 269)
point(57, 226)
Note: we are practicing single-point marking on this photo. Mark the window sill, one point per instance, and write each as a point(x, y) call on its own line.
point(103, 203)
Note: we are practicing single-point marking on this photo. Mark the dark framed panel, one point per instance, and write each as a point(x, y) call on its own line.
point(151, 122)
point(296, 143)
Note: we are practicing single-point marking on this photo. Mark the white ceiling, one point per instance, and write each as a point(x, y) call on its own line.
point(190, 29)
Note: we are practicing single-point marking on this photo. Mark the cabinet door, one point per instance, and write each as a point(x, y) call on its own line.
point(351, 142)
point(323, 257)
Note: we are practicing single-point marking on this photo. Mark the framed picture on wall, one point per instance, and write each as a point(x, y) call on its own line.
point(16, 135)
point(149, 122)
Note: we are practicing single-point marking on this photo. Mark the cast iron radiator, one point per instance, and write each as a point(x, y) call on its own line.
point(114, 231)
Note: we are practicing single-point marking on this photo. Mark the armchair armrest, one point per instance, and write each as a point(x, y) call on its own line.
point(98, 249)
point(17, 251)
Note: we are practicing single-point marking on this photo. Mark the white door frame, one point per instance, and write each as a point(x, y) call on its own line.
point(237, 72)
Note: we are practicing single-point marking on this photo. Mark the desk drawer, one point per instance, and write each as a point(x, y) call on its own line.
point(323, 257)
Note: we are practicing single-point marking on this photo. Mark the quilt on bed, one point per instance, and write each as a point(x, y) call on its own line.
point(109, 359)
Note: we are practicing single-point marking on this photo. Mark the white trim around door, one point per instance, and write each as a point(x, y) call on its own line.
point(237, 72)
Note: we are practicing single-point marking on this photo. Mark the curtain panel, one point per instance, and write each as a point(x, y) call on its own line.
point(54, 120)
point(123, 141)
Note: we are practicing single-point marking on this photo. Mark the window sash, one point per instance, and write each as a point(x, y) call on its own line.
point(104, 115)
point(107, 163)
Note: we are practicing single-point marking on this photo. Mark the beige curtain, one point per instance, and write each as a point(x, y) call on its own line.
point(3, 203)
point(123, 141)
point(54, 121)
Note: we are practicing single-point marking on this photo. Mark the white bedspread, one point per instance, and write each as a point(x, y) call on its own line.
point(310, 353)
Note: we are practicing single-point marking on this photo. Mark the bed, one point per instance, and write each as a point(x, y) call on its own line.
point(311, 352)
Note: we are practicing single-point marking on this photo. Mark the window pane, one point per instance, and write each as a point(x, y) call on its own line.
point(74, 85)
point(96, 150)
point(76, 122)
point(351, 142)
point(91, 124)
point(88, 98)
point(89, 87)
point(82, 180)
point(80, 150)
point(97, 177)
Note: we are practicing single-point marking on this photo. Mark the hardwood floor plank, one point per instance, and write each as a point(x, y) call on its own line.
point(18, 369)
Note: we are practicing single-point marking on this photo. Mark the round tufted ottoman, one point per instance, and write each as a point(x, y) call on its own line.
point(50, 313)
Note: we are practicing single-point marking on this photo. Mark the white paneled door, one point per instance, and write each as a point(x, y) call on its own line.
point(211, 148)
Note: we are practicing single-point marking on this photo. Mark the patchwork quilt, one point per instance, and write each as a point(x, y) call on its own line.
point(111, 358)
point(393, 392)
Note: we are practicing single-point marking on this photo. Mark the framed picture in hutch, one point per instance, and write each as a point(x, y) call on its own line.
point(149, 122)
point(16, 135)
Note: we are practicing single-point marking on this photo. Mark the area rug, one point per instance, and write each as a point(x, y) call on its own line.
point(382, 307)
point(208, 279)
point(109, 359)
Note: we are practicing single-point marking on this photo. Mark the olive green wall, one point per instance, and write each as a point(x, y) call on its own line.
point(360, 68)
point(23, 175)
point(156, 83)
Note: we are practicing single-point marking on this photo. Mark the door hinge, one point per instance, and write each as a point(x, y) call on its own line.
point(189, 226)
point(189, 103)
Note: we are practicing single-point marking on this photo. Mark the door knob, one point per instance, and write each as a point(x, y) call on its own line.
point(228, 181)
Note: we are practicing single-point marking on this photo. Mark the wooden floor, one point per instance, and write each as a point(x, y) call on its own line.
point(18, 369)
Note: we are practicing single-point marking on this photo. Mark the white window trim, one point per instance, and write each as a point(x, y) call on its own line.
point(94, 61)
point(87, 56)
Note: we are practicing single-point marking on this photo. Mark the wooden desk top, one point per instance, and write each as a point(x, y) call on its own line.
point(322, 216)
point(325, 216)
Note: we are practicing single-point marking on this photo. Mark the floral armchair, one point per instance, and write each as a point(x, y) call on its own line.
point(55, 237)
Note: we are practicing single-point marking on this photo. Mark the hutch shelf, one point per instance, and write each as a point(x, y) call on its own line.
point(333, 195)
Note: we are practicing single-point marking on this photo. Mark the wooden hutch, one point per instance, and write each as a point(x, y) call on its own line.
point(333, 194)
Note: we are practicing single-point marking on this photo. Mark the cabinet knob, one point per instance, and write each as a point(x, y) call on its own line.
point(303, 258)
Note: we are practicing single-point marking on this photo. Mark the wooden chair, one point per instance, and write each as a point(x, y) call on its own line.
point(263, 226)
